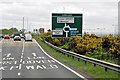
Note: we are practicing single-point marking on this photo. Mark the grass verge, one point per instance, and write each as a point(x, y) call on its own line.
point(80, 66)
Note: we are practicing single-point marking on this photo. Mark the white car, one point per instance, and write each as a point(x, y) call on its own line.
point(17, 38)
point(22, 35)
point(28, 37)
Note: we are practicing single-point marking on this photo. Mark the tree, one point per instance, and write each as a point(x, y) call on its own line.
point(13, 29)
point(9, 31)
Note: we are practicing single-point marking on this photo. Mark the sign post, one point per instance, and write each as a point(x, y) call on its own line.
point(66, 25)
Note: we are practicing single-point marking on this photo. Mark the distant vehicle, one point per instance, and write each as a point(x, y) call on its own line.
point(17, 38)
point(28, 37)
point(12, 36)
point(1, 36)
point(6, 37)
point(16, 35)
point(22, 36)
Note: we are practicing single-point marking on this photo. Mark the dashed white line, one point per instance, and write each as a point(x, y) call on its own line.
point(20, 65)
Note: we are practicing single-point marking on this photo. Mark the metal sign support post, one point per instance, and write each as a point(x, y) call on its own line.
point(66, 29)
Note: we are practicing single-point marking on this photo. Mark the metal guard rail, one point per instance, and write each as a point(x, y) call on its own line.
point(107, 65)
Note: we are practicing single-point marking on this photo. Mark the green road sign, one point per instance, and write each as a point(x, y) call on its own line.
point(66, 24)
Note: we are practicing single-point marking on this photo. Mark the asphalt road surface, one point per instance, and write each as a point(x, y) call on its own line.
point(22, 59)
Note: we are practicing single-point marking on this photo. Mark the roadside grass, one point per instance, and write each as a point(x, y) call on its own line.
point(80, 66)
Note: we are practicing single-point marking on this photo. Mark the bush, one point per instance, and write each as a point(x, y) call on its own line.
point(100, 53)
point(80, 49)
point(66, 46)
point(105, 47)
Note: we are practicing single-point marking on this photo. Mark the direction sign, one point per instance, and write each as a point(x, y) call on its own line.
point(66, 25)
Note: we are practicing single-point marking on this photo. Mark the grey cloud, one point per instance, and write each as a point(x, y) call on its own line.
point(38, 12)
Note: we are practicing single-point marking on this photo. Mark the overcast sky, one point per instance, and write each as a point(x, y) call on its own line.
point(102, 14)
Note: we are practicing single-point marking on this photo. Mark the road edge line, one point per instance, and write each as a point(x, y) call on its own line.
point(60, 62)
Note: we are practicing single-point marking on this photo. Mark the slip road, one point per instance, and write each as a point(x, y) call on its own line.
point(22, 59)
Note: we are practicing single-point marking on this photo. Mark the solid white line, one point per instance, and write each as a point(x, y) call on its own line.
point(60, 62)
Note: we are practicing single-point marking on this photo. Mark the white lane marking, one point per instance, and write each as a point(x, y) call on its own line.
point(30, 67)
point(22, 53)
point(23, 62)
point(34, 54)
point(42, 57)
point(51, 66)
point(28, 57)
point(4, 62)
point(49, 61)
point(23, 48)
point(15, 62)
point(4, 58)
point(11, 68)
point(20, 66)
point(56, 66)
point(8, 55)
point(20, 60)
point(43, 61)
point(9, 62)
point(22, 56)
point(39, 67)
point(44, 66)
point(60, 62)
point(38, 61)
point(29, 62)
point(3, 67)
point(19, 73)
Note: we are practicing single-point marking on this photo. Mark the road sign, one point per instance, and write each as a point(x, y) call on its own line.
point(66, 24)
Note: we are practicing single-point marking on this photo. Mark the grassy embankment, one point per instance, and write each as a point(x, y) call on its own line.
point(79, 66)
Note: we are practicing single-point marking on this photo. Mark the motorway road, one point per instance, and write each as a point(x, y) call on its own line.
point(22, 59)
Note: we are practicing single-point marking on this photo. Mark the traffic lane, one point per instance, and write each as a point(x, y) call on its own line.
point(37, 65)
point(11, 48)
point(11, 51)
